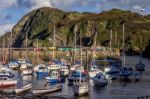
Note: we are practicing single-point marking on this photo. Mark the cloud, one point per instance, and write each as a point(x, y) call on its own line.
point(5, 28)
point(7, 3)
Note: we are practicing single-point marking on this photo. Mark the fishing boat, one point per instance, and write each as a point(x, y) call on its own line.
point(54, 77)
point(23, 89)
point(46, 91)
point(100, 79)
point(7, 82)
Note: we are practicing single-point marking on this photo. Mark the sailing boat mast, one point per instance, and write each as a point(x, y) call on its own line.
point(3, 50)
point(94, 46)
point(111, 39)
point(75, 46)
point(26, 46)
point(54, 43)
point(141, 48)
point(123, 48)
point(37, 50)
point(80, 53)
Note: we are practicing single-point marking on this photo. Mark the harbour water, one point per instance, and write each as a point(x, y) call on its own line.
point(114, 90)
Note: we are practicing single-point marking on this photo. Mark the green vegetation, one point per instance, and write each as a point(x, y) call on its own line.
point(39, 24)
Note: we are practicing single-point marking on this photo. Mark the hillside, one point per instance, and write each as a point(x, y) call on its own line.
point(39, 24)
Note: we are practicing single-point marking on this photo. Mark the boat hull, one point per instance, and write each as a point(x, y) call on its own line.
point(81, 89)
point(46, 91)
point(27, 72)
point(4, 84)
point(42, 73)
point(100, 82)
point(24, 89)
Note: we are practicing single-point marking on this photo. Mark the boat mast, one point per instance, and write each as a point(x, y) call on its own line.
point(141, 38)
point(123, 52)
point(111, 39)
point(26, 47)
point(75, 46)
point(54, 43)
point(80, 54)
point(3, 50)
point(94, 46)
point(37, 50)
point(10, 46)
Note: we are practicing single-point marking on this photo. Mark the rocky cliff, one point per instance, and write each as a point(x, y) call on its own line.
point(39, 24)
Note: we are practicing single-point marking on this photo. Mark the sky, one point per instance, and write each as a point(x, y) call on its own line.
point(11, 11)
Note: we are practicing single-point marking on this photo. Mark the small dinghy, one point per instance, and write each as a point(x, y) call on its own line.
point(23, 89)
point(46, 91)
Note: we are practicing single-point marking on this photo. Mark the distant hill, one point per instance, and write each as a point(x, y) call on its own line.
point(39, 24)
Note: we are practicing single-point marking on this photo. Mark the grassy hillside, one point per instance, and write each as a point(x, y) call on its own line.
point(39, 24)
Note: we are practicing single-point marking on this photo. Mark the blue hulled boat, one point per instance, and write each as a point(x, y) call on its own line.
point(42, 71)
point(54, 77)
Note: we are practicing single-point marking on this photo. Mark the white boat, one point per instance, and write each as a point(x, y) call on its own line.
point(64, 71)
point(111, 72)
point(23, 89)
point(81, 87)
point(53, 67)
point(54, 77)
point(100, 79)
point(46, 91)
point(28, 71)
point(23, 66)
point(13, 65)
point(93, 71)
point(5, 73)
point(7, 82)
point(77, 68)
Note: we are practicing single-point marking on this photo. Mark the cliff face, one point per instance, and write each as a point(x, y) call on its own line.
point(39, 24)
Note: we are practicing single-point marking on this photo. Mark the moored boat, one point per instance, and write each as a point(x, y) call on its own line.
point(81, 87)
point(64, 71)
point(42, 71)
point(46, 91)
point(140, 66)
point(23, 89)
point(28, 71)
point(100, 79)
point(54, 77)
point(7, 82)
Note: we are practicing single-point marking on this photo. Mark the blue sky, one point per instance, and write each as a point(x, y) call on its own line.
point(11, 11)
